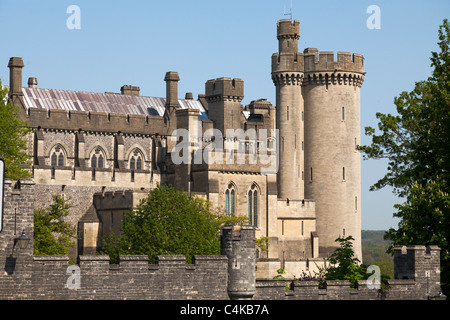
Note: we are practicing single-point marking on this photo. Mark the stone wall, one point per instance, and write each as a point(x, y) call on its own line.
point(231, 274)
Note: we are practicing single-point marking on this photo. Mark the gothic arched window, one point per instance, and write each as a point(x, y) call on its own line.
point(136, 160)
point(253, 205)
point(57, 156)
point(97, 158)
point(230, 200)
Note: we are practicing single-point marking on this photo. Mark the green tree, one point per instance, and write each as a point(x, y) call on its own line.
point(53, 235)
point(416, 143)
point(13, 144)
point(168, 221)
point(343, 263)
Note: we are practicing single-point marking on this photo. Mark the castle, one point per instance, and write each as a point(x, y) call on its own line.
point(293, 168)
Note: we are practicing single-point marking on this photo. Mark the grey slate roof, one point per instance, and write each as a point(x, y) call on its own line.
point(102, 102)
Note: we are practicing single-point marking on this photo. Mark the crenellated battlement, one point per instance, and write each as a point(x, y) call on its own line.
point(324, 61)
point(318, 68)
point(287, 28)
point(95, 121)
point(224, 89)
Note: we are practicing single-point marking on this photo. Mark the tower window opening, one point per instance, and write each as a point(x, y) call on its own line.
point(343, 173)
point(356, 203)
point(302, 227)
point(287, 113)
point(311, 175)
point(343, 113)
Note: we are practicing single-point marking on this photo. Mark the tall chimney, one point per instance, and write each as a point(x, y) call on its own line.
point(15, 66)
point(172, 79)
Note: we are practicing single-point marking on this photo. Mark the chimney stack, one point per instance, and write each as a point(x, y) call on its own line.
point(172, 79)
point(130, 90)
point(189, 96)
point(15, 66)
point(32, 82)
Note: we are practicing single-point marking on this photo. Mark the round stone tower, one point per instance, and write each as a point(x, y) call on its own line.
point(331, 93)
point(287, 75)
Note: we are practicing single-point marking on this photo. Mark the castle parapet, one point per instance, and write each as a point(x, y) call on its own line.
point(95, 121)
point(324, 61)
point(421, 264)
point(224, 89)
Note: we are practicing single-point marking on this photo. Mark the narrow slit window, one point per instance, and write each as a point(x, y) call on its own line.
point(343, 173)
point(139, 163)
point(100, 161)
point(53, 159)
point(94, 161)
point(343, 113)
point(250, 207)
point(60, 160)
point(230, 200)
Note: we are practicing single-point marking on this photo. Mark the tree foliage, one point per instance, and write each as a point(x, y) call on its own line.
point(169, 221)
point(13, 145)
point(343, 263)
point(416, 143)
point(52, 234)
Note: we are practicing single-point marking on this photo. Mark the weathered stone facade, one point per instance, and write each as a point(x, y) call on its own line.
point(300, 186)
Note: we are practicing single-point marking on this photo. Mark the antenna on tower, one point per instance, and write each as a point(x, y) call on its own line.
point(290, 11)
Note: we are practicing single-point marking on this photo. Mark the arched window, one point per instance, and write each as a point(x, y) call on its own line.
point(253, 206)
point(97, 158)
point(57, 156)
point(230, 197)
point(136, 160)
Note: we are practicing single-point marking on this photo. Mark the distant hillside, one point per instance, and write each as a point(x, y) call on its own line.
point(374, 251)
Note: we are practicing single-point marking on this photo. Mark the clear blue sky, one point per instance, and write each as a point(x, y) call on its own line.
point(136, 42)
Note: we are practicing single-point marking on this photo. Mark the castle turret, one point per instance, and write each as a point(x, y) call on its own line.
point(331, 94)
point(287, 75)
point(238, 244)
point(224, 96)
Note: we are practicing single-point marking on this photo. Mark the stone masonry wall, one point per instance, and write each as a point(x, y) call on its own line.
point(25, 276)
